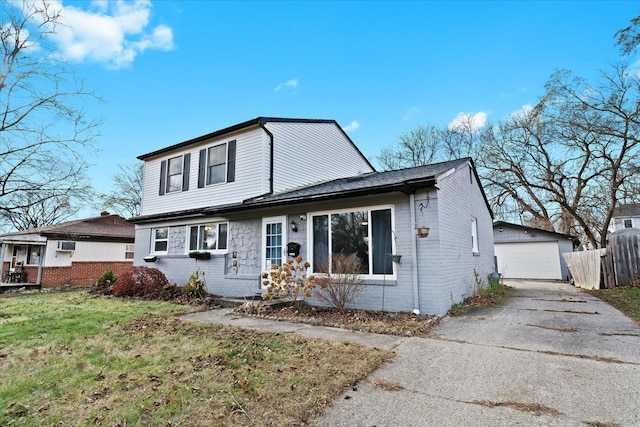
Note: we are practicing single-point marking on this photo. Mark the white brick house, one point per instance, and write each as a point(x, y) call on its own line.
point(228, 203)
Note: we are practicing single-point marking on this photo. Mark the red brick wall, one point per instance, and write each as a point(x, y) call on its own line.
point(80, 273)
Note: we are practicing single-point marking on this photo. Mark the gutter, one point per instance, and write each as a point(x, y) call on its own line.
point(244, 206)
point(271, 155)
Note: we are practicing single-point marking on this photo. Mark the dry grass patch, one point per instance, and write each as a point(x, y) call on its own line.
point(154, 369)
point(534, 408)
point(369, 321)
point(551, 328)
point(386, 385)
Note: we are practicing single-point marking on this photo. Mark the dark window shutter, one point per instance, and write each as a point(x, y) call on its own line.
point(231, 162)
point(202, 168)
point(163, 176)
point(185, 171)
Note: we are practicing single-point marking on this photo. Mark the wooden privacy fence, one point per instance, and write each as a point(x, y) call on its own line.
point(585, 267)
point(621, 264)
point(617, 265)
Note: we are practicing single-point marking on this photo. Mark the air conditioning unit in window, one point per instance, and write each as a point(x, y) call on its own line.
point(66, 246)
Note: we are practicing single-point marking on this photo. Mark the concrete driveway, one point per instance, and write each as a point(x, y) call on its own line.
point(551, 356)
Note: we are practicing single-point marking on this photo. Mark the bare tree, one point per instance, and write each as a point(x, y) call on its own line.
point(419, 146)
point(461, 139)
point(46, 211)
point(44, 133)
point(628, 38)
point(125, 198)
point(568, 162)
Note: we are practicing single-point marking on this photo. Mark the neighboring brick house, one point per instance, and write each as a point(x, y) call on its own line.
point(70, 253)
point(625, 216)
point(236, 201)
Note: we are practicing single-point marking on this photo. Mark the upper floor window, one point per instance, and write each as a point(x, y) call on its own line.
point(217, 164)
point(160, 239)
point(208, 237)
point(628, 223)
point(174, 174)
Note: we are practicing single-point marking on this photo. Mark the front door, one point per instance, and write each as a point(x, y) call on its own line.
point(274, 236)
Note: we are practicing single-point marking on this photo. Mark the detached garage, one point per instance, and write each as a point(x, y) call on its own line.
point(530, 253)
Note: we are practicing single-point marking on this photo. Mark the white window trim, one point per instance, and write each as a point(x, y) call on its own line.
point(127, 251)
point(475, 246)
point(226, 164)
point(166, 177)
point(392, 276)
point(153, 241)
point(263, 232)
point(200, 224)
point(624, 222)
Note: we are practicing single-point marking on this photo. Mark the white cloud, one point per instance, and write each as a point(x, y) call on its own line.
point(468, 121)
point(523, 112)
point(293, 83)
point(352, 126)
point(411, 112)
point(110, 32)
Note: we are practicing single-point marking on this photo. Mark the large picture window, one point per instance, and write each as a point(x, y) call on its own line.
point(208, 237)
point(160, 239)
point(365, 234)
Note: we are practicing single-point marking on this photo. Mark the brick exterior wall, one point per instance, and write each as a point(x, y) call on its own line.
point(78, 274)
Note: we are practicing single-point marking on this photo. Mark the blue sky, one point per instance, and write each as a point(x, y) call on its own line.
point(173, 70)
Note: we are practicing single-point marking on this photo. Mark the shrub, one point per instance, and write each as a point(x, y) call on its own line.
point(288, 281)
point(141, 282)
point(105, 283)
point(196, 288)
point(341, 285)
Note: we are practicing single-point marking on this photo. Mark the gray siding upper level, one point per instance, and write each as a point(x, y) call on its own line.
point(304, 152)
point(251, 175)
point(308, 153)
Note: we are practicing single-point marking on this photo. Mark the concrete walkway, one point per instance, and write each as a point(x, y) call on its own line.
point(552, 356)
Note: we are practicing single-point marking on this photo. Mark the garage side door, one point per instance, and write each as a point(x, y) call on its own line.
point(531, 260)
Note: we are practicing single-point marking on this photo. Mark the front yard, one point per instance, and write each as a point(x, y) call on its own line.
point(76, 359)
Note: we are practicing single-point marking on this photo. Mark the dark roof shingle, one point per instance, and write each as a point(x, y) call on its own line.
point(104, 226)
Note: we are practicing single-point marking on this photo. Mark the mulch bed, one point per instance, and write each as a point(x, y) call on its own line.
point(401, 323)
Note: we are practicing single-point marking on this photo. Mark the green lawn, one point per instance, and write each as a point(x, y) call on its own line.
point(76, 359)
point(625, 299)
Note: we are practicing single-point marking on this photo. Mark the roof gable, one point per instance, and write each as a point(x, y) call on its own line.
point(258, 121)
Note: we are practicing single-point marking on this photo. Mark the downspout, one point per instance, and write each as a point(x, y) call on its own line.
point(271, 156)
point(414, 255)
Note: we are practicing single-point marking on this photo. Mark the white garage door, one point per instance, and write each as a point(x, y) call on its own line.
point(531, 260)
